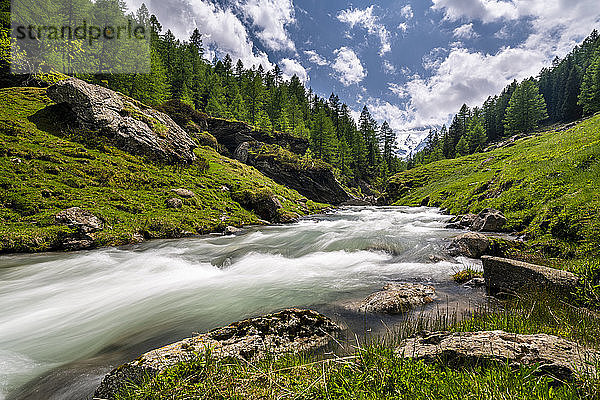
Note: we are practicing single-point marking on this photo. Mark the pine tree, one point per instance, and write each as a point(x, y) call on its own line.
point(589, 98)
point(525, 109)
point(462, 147)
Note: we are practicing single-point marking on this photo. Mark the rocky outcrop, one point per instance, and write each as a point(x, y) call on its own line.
point(289, 331)
point(398, 298)
point(263, 203)
point(126, 123)
point(313, 179)
point(472, 245)
point(488, 220)
point(232, 134)
point(509, 276)
point(84, 225)
point(558, 357)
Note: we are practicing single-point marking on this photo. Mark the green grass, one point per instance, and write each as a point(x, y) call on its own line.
point(46, 167)
point(466, 275)
point(547, 186)
point(373, 371)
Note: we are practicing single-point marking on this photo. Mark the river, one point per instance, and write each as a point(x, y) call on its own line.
point(67, 318)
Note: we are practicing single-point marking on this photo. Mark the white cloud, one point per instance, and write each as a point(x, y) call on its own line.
point(348, 67)
point(398, 90)
point(465, 31)
point(291, 67)
point(316, 58)
point(407, 12)
point(222, 31)
point(366, 19)
point(272, 17)
point(485, 10)
point(403, 27)
point(465, 77)
point(388, 67)
point(434, 58)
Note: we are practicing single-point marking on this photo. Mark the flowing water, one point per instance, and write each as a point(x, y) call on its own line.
point(67, 319)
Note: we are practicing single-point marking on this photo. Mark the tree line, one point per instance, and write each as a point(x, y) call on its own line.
point(224, 88)
point(562, 93)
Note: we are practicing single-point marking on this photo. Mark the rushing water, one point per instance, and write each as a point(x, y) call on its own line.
point(66, 319)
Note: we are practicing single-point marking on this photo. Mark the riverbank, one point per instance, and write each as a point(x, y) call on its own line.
point(45, 168)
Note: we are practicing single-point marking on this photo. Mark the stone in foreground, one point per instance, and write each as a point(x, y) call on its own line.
point(288, 331)
point(472, 245)
point(398, 298)
point(128, 124)
point(558, 357)
point(503, 275)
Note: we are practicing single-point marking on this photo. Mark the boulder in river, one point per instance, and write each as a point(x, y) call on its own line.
point(503, 275)
point(471, 244)
point(288, 331)
point(557, 357)
point(398, 298)
point(126, 123)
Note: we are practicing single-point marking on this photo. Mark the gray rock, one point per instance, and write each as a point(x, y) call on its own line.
point(264, 204)
point(558, 357)
point(510, 276)
point(128, 124)
point(289, 331)
point(232, 230)
point(475, 283)
point(398, 298)
point(76, 218)
point(489, 220)
point(462, 221)
point(185, 193)
point(174, 203)
point(85, 225)
point(471, 244)
point(241, 152)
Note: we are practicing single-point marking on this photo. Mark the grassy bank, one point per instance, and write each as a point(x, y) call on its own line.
point(547, 186)
point(374, 371)
point(46, 167)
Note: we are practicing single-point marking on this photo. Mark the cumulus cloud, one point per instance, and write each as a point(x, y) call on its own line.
point(485, 10)
point(465, 31)
point(222, 31)
point(291, 67)
point(466, 77)
point(271, 17)
point(365, 19)
point(316, 58)
point(348, 68)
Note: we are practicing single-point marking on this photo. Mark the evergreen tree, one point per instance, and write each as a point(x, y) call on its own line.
point(525, 109)
point(589, 98)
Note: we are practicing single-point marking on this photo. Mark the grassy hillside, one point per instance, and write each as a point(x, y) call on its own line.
point(547, 186)
point(45, 168)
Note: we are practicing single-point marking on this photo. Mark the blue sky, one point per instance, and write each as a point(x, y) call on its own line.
point(413, 63)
